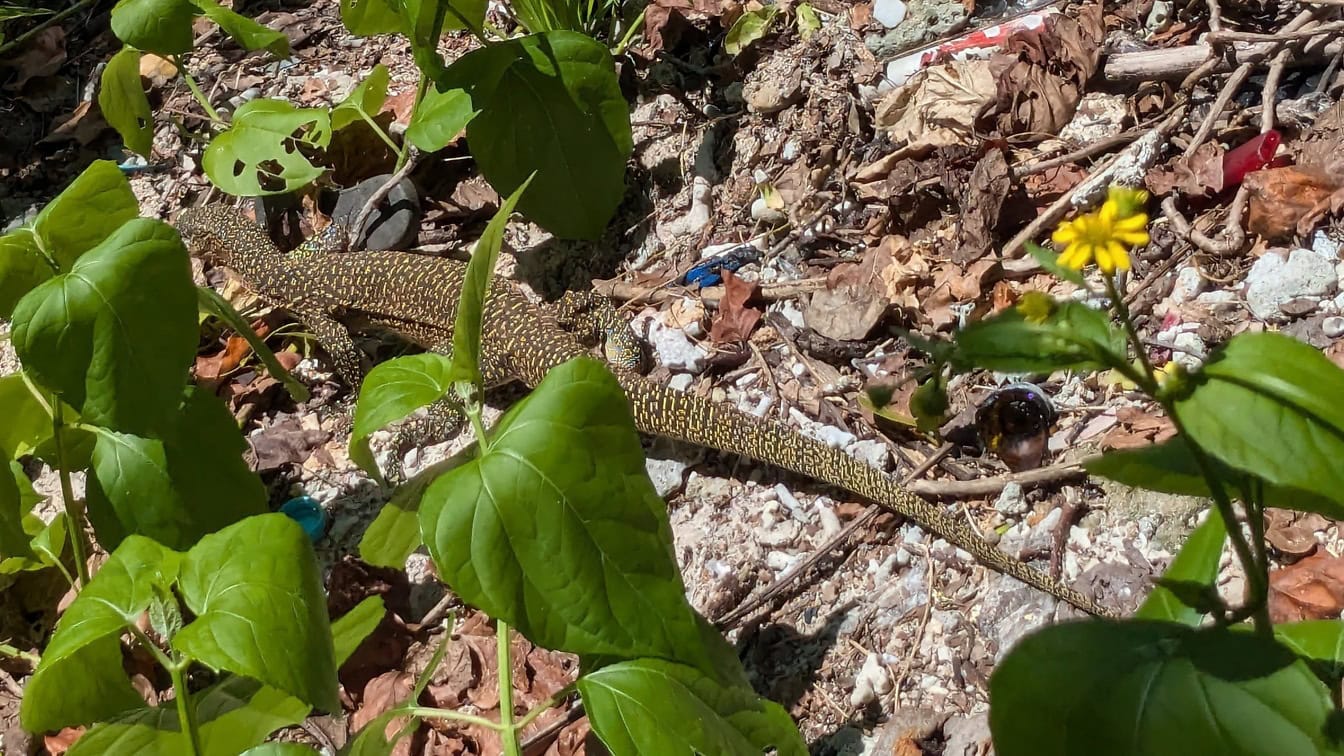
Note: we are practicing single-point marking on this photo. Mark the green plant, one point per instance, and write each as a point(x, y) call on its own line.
point(104, 318)
point(552, 527)
point(1187, 673)
point(548, 103)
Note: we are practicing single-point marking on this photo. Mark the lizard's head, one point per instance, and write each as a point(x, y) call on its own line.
point(222, 236)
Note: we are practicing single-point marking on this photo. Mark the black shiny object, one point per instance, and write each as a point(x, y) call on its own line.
point(1014, 423)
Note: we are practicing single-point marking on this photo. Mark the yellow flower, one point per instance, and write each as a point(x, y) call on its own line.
point(1107, 234)
point(1169, 374)
point(1035, 307)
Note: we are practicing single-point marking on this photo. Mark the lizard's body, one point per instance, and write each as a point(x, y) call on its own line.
point(416, 296)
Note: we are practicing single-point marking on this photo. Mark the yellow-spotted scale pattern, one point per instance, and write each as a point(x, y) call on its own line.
point(416, 296)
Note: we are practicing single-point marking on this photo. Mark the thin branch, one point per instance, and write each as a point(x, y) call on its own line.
point(1235, 234)
point(356, 230)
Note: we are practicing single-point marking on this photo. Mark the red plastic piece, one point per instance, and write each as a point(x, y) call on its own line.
point(1251, 156)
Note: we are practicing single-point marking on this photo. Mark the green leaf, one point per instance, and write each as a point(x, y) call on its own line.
point(1318, 642)
point(1269, 382)
point(366, 18)
point(158, 26)
point(27, 423)
point(748, 28)
point(466, 365)
point(234, 714)
point(808, 23)
point(367, 98)
point(1170, 467)
point(260, 154)
point(654, 706)
point(355, 625)
point(439, 118)
point(260, 608)
point(549, 103)
point(176, 490)
point(1101, 687)
point(95, 205)
point(80, 678)
point(282, 749)
point(1073, 337)
point(23, 268)
point(392, 390)
point(211, 302)
point(124, 104)
point(395, 532)
point(557, 530)
point(114, 336)
point(14, 540)
point(1196, 564)
point(1050, 262)
point(246, 32)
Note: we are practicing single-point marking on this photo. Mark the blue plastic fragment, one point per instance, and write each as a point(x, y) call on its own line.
point(710, 272)
point(308, 514)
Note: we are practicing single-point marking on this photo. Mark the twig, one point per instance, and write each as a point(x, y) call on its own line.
point(981, 487)
point(1239, 77)
point(1096, 148)
point(1215, 15)
point(356, 230)
point(1271, 87)
point(1236, 235)
point(1281, 36)
point(42, 26)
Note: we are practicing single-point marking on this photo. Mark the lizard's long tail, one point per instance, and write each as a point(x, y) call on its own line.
point(666, 412)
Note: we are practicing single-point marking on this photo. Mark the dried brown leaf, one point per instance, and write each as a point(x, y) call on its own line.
point(735, 320)
point(1310, 589)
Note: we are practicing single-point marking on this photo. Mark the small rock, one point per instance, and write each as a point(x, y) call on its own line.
point(681, 382)
point(834, 437)
point(1274, 281)
point(1190, 350)
point(674, 348)
point(889, 13)
point(1189, 284)
point(1333, 327)
point(872, 681)
point(1012, 501)
point(760, 211)
point(967, 735)
point(668, 475)
point(871, 451)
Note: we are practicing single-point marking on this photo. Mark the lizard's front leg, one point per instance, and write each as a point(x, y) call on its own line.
point(593, 318)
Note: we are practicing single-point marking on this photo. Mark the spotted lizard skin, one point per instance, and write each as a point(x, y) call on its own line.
point(416, 296)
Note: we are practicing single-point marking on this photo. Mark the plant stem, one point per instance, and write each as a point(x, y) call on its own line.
point(1133, 333)
point(473, 410)
point(186, 714)
point(381, 134)
point(404, 152)
point(74, 510)
point(544, 707)
point(1256, 575)
point(14, 653)
point(196, 90)
point(36, 30)
point(635, 27)
point(507, 732)
point(429, 711)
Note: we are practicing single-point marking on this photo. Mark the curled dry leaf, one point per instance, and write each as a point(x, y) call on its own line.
point(855, 297)
point(1281, 197)
point(1310, 589)
point(385, 692)
point(1040, 73)
point(981, 203)
point(735, 320)
point(1292, 533)
point(939, 107)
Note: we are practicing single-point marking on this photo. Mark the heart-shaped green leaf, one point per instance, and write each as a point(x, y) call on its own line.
point(655, 706)
point(114, 336)
point(260, 608)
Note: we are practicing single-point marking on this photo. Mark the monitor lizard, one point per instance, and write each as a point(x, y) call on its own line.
point(416, 297)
